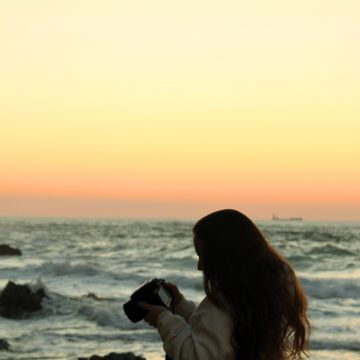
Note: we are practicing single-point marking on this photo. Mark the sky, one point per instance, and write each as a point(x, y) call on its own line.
point(173, 109)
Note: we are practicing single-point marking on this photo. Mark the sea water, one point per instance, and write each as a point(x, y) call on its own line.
point(90, 268)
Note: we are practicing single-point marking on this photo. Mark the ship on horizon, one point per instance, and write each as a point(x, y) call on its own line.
point(276, 218)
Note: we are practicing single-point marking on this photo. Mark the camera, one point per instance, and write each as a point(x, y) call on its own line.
point(152, 292)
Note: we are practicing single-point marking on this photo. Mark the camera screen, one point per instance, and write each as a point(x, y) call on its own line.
point(164, 296)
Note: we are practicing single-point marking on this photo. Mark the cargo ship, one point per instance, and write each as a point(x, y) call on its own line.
point(276, 218)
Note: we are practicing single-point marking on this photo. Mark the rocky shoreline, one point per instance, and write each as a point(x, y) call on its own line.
point(115, 356)
point(6, 250)
point(17, 301)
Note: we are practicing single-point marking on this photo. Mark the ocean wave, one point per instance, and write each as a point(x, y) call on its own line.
point(102, 311)
point(332, 288)
point(111, 259)
point(351, 345)
point(69, 268)
point(107, 314)
point(104, 314)
point(329, 249)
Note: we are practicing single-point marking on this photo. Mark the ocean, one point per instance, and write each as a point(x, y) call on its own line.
point(90, 268)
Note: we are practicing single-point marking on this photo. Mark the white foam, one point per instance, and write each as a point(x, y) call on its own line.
point(38, 285)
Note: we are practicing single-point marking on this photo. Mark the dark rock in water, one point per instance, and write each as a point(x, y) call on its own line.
point(4, 345)
point(16, 300)
point(93, 296)
point(115, 356)
point(6, 250)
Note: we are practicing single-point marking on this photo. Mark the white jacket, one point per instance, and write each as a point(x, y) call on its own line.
point(196, 333)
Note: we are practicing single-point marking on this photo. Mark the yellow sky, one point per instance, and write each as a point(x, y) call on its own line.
point(242, 104)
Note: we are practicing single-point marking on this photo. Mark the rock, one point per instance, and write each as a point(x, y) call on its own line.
point(115, 356)
point(6, 250)
point(4, 345)
point(16, 300)
point(93, 296)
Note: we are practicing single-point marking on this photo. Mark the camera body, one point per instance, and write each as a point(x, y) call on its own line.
point(152, 292)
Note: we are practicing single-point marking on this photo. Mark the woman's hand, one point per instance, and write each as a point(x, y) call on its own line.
point(178, 296)
point(153, 312)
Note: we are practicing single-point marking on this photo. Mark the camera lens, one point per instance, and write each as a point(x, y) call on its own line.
point(133, 312)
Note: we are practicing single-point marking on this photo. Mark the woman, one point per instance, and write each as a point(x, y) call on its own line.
point(254, 309)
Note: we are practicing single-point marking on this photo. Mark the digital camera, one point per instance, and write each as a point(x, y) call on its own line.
point(152, 292)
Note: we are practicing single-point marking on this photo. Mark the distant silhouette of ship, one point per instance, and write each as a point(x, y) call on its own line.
point(276, 218)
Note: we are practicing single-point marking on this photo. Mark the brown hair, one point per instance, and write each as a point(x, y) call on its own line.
point(259, 286)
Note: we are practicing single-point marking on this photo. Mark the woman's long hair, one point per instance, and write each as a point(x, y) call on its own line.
point(245, 275)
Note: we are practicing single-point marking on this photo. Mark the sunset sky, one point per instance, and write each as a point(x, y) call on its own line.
point(172, 109)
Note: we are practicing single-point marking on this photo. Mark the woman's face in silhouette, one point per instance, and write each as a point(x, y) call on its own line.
point(197, 246)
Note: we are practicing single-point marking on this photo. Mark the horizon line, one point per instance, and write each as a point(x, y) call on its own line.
point(182, 219)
